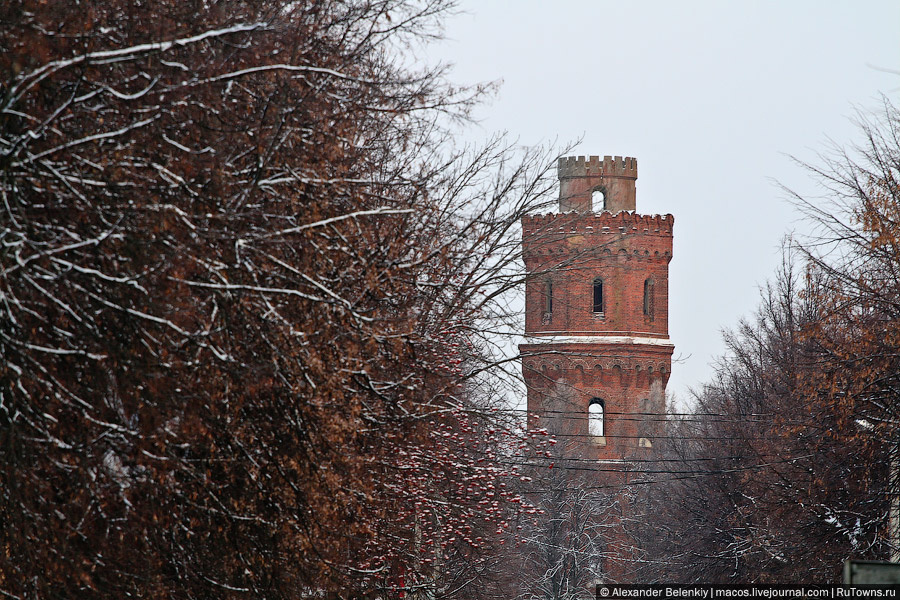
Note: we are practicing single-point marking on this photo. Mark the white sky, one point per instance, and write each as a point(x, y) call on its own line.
point(710, 96)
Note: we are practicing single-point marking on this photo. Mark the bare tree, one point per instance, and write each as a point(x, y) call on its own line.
point(788, 465)
point(770, 482)
point(246, 287)
point(856, 252)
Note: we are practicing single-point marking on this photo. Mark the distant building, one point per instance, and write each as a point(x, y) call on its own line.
point(598, 355)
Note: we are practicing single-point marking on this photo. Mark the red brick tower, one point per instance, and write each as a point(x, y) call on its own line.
point(598, 354)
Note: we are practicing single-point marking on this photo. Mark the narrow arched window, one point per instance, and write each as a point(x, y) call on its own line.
point(598, 200)
point(548, 296)
point(648, 298)
point(598, 295)
point(595, 417)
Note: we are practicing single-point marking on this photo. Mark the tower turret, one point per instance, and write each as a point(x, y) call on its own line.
point(595, 185)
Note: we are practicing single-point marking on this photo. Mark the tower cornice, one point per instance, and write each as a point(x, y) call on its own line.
point(622, 222)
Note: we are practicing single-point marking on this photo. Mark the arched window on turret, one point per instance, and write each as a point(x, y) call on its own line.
point(548, 296)
point(598, 295)
point(648, 298)
point(595, 417)
point(598, 200)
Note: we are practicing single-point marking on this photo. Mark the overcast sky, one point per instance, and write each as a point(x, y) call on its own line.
point(711, 97)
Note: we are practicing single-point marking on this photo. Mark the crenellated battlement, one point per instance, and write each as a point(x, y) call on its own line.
point(598, 223)
point(593, 166)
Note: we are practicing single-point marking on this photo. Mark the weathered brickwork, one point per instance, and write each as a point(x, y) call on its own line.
point(571, 250)
point(612, 347)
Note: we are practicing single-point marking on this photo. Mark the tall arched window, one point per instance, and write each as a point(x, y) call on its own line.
point(598, 295)
point(648, 298)
point(598, 200)
point(548, 296)
point(595, 417)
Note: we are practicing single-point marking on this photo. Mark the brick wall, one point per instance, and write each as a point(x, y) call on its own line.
point(571, 250)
